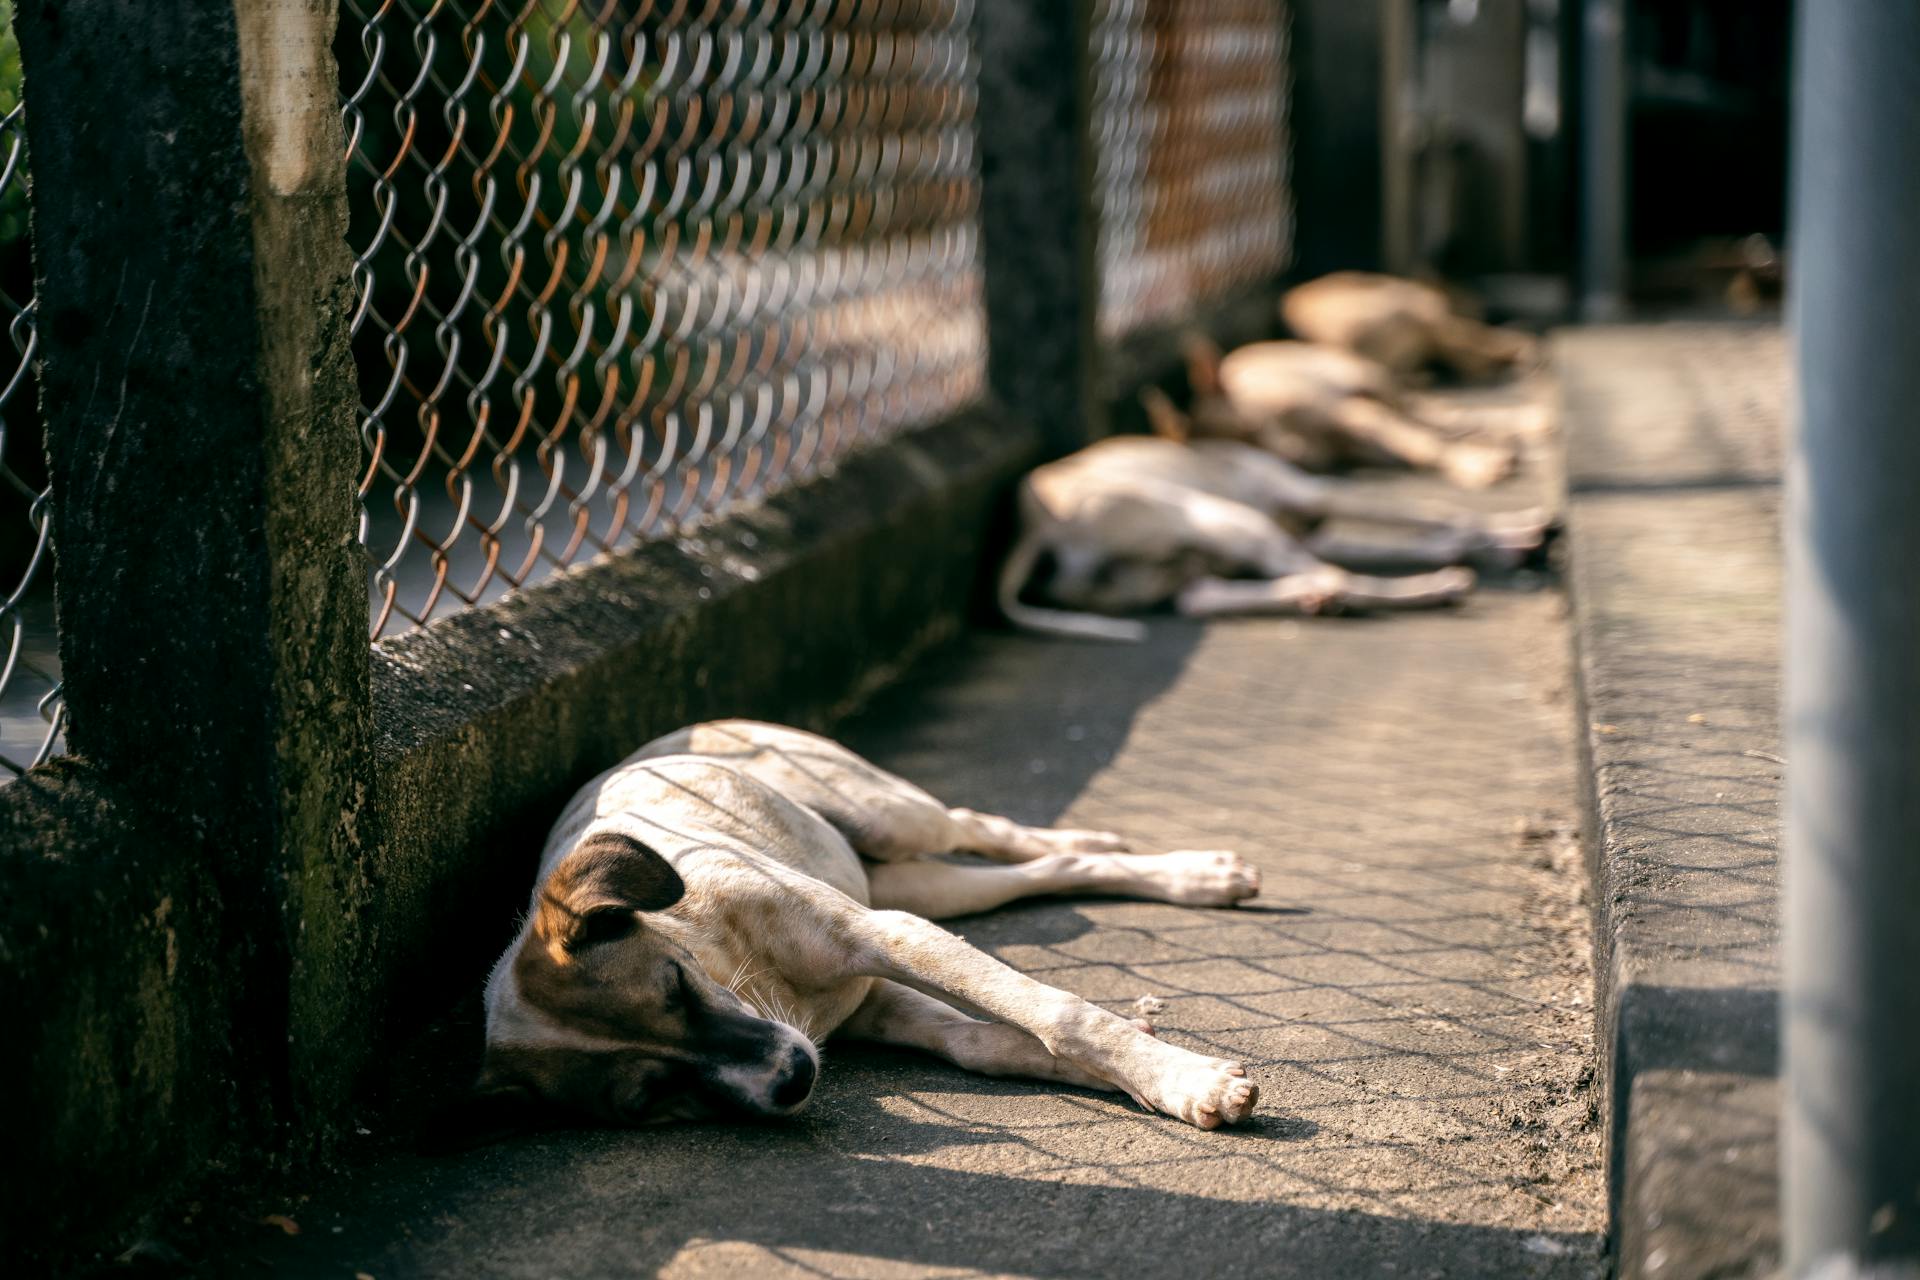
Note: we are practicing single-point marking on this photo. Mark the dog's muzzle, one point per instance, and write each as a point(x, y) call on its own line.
point(776, 1083)
point(793, 1089)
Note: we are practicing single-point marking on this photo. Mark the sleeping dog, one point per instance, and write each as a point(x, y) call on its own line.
point(1323, 408)
point(712, 909)
point(1401, 325)
point(1217, 527)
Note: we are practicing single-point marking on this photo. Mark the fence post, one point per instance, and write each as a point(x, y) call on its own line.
point(1346, 119)
point(1851, 1134)
point(1039, 228)
point(189, 214)
point(1603, 160)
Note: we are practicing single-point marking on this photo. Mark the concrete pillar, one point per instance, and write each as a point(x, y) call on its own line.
point(1038, 225)
point(189, 216)
point(1350, 172)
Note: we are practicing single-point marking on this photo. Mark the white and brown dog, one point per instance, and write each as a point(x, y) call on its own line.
point(1402, 325)
point(1219, 526)
point(710, 911)
point(1324, 409)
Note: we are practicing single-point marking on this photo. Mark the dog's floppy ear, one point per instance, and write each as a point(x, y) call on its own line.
point(1203, 366)
point(593, 894)
point(1167, 422)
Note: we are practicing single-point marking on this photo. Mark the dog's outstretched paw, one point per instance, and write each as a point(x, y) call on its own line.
point(1209, 1094)
point(1477, 465)
point(1148, 1006)
point(1204, 877)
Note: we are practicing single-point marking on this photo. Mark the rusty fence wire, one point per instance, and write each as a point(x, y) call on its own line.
point(32, 715)
point(622, 263)
point(1191, 152)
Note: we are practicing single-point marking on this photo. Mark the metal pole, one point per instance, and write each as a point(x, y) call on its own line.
point(1851, 1133)
point(1603, 161)
point(1399, 122)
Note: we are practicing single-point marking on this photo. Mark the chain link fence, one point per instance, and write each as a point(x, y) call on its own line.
point(32, 715)
point(1191, 150)
point(620, 265)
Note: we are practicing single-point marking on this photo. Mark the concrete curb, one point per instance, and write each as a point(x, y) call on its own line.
point(1673, 523)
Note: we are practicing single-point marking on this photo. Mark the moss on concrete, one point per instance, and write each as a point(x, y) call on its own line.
point(112, 969)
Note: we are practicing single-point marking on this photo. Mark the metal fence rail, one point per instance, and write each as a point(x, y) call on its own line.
point(620, 265)
point(1190, 122)
point(32, 714)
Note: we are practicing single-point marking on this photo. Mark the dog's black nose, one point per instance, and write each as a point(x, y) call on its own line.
point(793, 1090)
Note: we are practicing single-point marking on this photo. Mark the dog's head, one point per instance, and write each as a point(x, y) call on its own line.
point(1212, 414)
point(597, 1012)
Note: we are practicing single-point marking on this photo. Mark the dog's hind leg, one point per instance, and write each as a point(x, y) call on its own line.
point(902, 827)
point(893, 1014)
point(1322, 590)
point(1393, 436)
point(911, 950)
point(883, 816)
point(936, 888)
point(1429, 535)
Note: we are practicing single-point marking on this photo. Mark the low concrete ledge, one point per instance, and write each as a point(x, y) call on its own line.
point(1673, 459)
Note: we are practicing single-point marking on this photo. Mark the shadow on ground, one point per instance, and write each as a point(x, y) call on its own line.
point(1403, 991)
point(840, 1195)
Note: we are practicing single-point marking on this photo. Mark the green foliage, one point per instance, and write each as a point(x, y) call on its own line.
point(13, 201)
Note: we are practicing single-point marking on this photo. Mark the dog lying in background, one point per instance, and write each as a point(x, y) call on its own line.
point(1404, 326)
point(1218, 527)
point(734, 893)
point(1324, 409)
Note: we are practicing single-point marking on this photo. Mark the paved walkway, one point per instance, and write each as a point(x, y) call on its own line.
point(1411, 991)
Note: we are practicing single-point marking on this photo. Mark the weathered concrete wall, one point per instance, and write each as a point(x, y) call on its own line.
point(117, 979)
point(188, 214)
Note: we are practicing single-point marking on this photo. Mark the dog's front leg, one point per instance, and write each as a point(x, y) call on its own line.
point(1207, 1092)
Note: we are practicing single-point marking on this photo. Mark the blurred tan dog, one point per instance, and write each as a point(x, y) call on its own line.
point(1323, 409)
point(1216, 527)
point(1402, 325)
point(734, 893)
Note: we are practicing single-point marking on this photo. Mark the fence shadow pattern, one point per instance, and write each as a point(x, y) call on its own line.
point(1190, 152)
point(622, 264)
